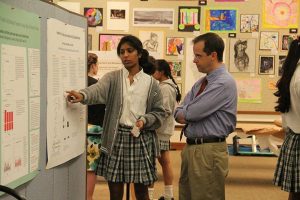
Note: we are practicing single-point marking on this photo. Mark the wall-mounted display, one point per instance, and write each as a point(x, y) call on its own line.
point(176, 67)
point(286, 41)
point(153, 17)
point(175, 46)
point(153, 42)
point(220, 20)
point(249, 23)
point(117, 15)
point(266, 65)
point(188, 19)
point(281, 60)
point(268, 40)
point(94, 16)
point(109, 42)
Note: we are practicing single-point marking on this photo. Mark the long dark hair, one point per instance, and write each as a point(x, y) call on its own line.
point(289, 66)
point(163, 66)
point(136, 43)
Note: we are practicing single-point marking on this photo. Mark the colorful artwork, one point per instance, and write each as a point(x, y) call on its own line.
point(280, 13)
point(153, 42)
point(176, 67)
point(220, 20)
point(94, 16)
point(266, 65)
point(249, 90)
point(188, 19)
point(268, 40)
point(249, 23)
point(286, 41)
point(175, 46)
point(109, 42)
point(281, 60)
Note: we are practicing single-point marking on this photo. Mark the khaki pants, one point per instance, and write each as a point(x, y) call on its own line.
point(203, 171)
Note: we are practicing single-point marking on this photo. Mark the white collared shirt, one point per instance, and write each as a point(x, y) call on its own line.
point(134, 97)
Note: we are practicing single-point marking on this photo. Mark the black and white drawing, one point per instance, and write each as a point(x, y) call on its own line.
point(153, 17)
point(266, 65)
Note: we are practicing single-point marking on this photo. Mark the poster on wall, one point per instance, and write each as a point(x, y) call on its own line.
point(20, 96)
point(66, 122)
point(117, 16)
point(175, 46)
point(153, 42)
point(188, 19)
point(220, 20)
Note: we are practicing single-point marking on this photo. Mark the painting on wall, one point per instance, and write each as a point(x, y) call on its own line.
point(280, 13)
point(249, 23)
point(266, 65)
point(176, 67)
point(153, 17)
point(175, 46)
point(242, 55)
point(94, 16)
point(268, 40)
point(109, 42)
point(281, 60)
point(217, 20)
point(286, 41)
point(153, 41)
point(188, 19)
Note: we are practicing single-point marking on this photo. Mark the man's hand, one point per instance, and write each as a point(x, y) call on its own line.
point(74, 97)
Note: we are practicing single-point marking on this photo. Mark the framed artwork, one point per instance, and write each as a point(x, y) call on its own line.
point(89, 42)
point(266, 65)
point(268, 40)
point(94, 16)
point(242, 55)
point(281, 60)
point(153, 41)
point(286, 41)
point(280, 13)
point(249, 23)
point(220, 20)
point(176, 67)
point(117, 15)
point(109, 42)
point(153, 17)
point(188, 19)
point(175, 46)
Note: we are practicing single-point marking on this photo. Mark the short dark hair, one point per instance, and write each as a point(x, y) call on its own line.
point(212, 43)
point(92, 59)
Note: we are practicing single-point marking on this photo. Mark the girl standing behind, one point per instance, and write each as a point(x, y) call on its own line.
point(171, 95)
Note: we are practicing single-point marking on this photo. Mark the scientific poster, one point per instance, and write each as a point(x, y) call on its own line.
point(66, 122)
point(20, 95)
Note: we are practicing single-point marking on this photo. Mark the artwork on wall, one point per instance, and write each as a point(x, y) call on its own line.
point(286, 41)
point(180, 89)
point(249, 23)
point(266, 65)
point(153, 17)
point(249, 90)
point(176, 67)
point(89, 42)
point(94, 16)
point(281, 60)
point(109, 42)
point(188, 19)
point(175, 46)
point(242, 55)
point(217, 20)
point(229, 0)
point(280, 13)
point(153, 41)
point(268, 40)
point(117, 15)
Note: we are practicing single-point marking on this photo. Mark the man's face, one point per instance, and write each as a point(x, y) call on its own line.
point(201, 59)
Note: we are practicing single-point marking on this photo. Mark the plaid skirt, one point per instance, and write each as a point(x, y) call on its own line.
point(287, 173)
point(132, 159)
point(164, 145)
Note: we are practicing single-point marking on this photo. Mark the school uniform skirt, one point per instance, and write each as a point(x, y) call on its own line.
point(287, 173)
point(132, 159)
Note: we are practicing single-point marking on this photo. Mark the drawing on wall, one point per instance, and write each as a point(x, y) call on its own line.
point(94, 16)
point(280, 13)
point(188, 19)
point(249, 23)
point(286, 41)
point(176, 67)
point(109, 42)
point(175, 46)
point(153, 17)
point(242, 55)
point(153, 41)
point(281, 60)
point(220, 20)
point(268, 40)
point(117, 19)
point(89, 42)
point(266, 65)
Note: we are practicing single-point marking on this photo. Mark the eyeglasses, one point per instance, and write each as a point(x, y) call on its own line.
point(197, 57)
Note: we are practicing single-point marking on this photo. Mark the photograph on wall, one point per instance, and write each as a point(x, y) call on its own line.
point(109, 42)
point(117, 16)
point(268, 40)
point(153, 42)
point(175, 46)
point(266, 65)
point(280, 13)
point(249, 23)
point(176, 67)
point(220, 20)
point(281, 60)
point(94, 16)
point(153, 17)
point(188, 19)
point(242, 55)
point(286, 41)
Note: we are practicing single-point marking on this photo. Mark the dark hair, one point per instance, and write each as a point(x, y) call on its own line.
point(92, 59)
point(163, 66)
point(212, 43)
point(289, 66)
point(137, 45)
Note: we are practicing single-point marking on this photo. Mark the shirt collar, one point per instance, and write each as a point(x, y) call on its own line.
point(216, 72)
point(137, 76)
